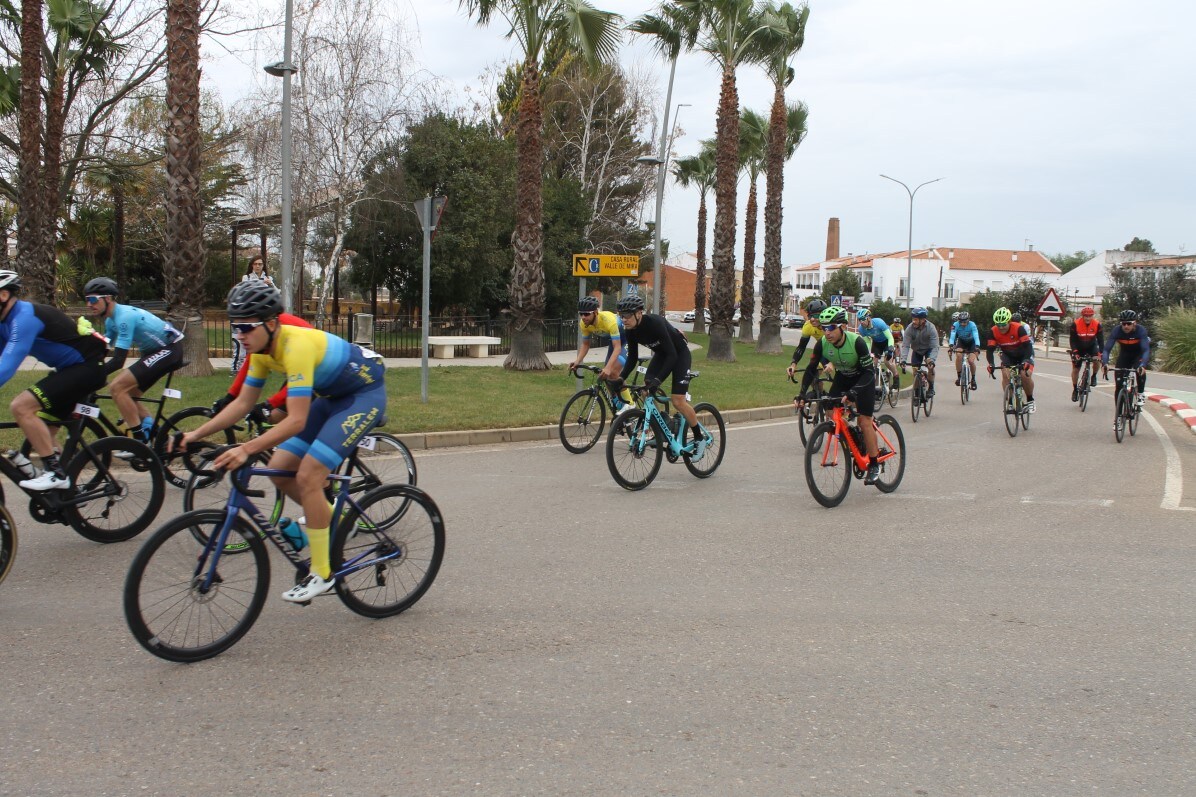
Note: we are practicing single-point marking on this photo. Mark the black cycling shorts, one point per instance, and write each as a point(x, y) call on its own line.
point(157, 364)
point(864, 384)
point(881, 350)
point(680, 382)
point(61, 390)
point(966, 348)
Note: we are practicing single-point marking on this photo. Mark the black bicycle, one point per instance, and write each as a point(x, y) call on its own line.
point(811, 414)
point(1087, 379)
point(584, 416)
point(921, 399)
point(1126, 405)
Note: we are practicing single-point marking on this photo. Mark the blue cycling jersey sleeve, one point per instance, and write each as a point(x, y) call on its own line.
point(18, 332)
point(964, 332)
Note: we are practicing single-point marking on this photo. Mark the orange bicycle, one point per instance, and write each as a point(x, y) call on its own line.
point(835, 452)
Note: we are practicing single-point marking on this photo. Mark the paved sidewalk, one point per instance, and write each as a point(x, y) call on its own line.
point(1179, 402)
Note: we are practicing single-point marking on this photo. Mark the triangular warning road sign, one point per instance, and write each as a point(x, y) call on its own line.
point(1050, 306)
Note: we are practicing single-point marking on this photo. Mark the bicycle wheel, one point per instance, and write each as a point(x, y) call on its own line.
point(894, 393)
point(582, 421)
point(890, 438)
point(388, 462)
point(1084, 386)
point(395, 554)
point(929, 398)
point(114, 498)
point(8, 542)
point(180, 466)
point(1134, 412)
point(634, 450)
point(1023, 414)
point(810, 416)
point(964, 382)
point(915, 398)
point(170, 613)
point(1011, 410)
point(208, 490)
point(712, 422)
point(828, 469)
point(1119, 418)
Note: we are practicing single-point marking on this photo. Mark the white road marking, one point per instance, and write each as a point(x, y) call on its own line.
point(1032, 499)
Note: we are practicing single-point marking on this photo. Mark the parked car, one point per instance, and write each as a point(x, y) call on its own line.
point(794, 321)
point(692, 315)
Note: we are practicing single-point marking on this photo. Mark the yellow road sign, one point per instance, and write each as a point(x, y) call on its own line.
point(606, 265)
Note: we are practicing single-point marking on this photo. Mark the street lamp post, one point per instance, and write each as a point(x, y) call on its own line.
point(662, 165)
point(284, 69)
point(909, 257)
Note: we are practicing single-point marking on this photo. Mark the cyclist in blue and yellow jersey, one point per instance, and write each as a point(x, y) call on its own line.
point(1087, 338)
point(847, 358)
point(1135, 348)
point(603, 327)
point(883, 342)
point(74, 352)
point(921, 342)
point(335, 396)
point(160, 344)
point(965, 340)
point(1017, 348)
point(811, 330)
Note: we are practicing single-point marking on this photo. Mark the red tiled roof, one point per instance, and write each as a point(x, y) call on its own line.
point(1166, 261)
point(998, 260)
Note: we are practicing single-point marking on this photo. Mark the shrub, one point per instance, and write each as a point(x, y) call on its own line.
point(1178, 330)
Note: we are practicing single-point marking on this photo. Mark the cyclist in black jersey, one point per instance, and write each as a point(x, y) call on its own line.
point(670, 355)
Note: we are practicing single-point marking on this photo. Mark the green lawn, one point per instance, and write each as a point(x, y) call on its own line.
point(470, 397)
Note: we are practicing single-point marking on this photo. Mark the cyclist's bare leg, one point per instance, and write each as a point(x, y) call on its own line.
point(682, 406)
point(24, 409)
point(868, 431)
point(125, 394)
point(1028, 381)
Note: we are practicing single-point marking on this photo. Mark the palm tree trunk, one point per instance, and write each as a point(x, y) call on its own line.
point(700, 274)
point(747, 293)
point(37, 272)
point(185, 262)
point(770, 300)
point(51, 175)
point(527, 272)
point(722, 286)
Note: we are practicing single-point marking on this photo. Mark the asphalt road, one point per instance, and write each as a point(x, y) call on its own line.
point(1017, 619)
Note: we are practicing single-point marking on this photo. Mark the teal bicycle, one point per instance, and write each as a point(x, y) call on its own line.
point(191, 595)
point(641, 439)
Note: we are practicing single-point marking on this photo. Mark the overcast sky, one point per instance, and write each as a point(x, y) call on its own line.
point(1061, 124)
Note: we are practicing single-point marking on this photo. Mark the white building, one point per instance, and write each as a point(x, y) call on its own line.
point(1090, 281)
point(942, 276)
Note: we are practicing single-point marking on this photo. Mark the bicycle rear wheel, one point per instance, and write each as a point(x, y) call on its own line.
point(180, 466)
point(1135, 413)
point(712, 422)
point(1011, 410)
point(890, 438)
point(388, 462)
point(166, 606)
point(1023, 413)
point(124, 494)
point(582, 421)
point(394, 545)
point(634, 450)
point(828, 468)
point(8, 542)
point(810, 416)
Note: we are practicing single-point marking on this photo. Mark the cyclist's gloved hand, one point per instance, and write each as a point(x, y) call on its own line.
point(652, 383)
point(222, 402)
point(260, 413)
point(990, 372)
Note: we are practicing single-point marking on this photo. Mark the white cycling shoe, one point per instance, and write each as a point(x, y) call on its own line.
point(46, 481)
point(308, 588)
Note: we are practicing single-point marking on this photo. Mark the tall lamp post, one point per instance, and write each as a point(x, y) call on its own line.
point(662, 164)
point(284, 69)
point(909, 260)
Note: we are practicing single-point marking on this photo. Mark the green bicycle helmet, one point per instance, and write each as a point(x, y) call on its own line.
point(1002, 315)
point(833, 315)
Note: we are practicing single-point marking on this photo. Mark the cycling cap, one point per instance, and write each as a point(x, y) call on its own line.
point(100, 286)
point(1087, 312)
point(254, 299)
point(1002, 315)
point(965, 318)
point(1128, 315)
point(587, 304)
point(863, 314)
point(815, 306)
point(631, 304)
point(919, 312)
point(833, 315)
point(10, 280)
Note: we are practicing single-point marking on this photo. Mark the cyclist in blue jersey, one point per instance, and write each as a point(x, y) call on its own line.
point(965, 340)
point(72, 350)
point(1135, 348)
point(160, 344)
point(883, 343)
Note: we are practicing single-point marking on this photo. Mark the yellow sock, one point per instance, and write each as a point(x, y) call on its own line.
point(317, 539)
point(625, 394)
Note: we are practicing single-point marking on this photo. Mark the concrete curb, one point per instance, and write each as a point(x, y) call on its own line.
point(1182, 411)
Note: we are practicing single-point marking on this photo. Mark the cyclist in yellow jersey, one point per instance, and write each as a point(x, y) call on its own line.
point(811, 330)
point(602, 326)
point(335, 396)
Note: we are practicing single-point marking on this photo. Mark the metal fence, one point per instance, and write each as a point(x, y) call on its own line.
point(400, 337)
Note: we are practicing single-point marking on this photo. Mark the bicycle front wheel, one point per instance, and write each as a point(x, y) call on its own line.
point(170, 611)
point(114, 497)
point(889, 438)
point(1119, 418)
point(390, 548)
point(1084, 386)
point(828, 466)
point(894, 393)
point(1012, 424)
point(712, 422)
point(582, 421)
point(916, 397)
point(634, 450)
point(180, 466)
point(8, 542)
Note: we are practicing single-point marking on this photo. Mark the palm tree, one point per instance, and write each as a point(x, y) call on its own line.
point(535, 24)
point(729, 31)
point(184, 268)
point(38, 272)
point(698, 170)
point(753, 136)
point(785, 37)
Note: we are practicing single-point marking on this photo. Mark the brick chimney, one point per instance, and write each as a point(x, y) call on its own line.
point(832, 239)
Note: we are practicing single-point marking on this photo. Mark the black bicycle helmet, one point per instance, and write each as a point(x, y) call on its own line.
point(815, 307)
point(587, 304)
point(254, 299)
point(631, 304)
point(1128, 315)
point(1017, 317)
point(100, 286)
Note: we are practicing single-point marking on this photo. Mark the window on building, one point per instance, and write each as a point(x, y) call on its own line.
point(903, 288)
point(948, 290)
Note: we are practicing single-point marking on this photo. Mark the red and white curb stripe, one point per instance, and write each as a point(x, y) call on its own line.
point(1181, 410)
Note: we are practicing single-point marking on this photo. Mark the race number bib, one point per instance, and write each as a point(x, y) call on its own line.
point(368, 443)
point(170, 392)
point(88, 410)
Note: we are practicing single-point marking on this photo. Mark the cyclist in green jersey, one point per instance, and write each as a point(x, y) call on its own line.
point(847, 358)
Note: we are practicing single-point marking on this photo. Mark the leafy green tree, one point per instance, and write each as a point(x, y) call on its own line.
point(982, 306)
point(1066, 262)
point(1146, 292)
point(1140, 245)
point(886, 311)
point(1025, 296)
point(843, 282)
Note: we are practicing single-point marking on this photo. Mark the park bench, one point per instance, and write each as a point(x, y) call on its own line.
point(443, 346)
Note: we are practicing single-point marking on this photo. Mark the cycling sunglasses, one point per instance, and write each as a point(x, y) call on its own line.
point(95, 299)
point(832, 327)
point(246, 328)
